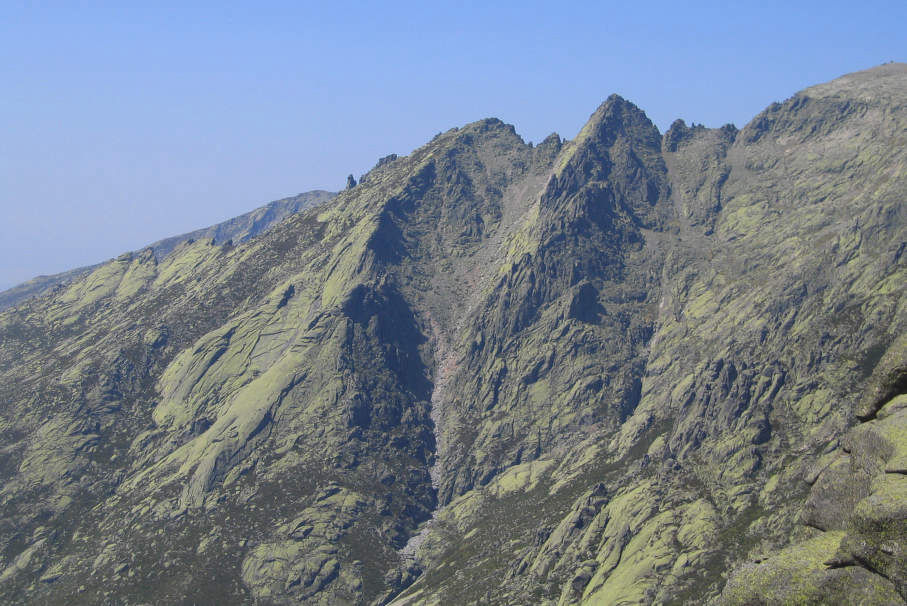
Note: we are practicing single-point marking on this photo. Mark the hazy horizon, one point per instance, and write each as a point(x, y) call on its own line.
point(124, 126)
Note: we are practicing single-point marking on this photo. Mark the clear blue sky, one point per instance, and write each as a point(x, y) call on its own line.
point(125, 122)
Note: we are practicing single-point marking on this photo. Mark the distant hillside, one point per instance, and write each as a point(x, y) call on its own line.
point(241, 228)
point(238, 229)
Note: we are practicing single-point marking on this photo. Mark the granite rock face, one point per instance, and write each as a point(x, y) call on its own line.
point(859, 502)
point(624, 368)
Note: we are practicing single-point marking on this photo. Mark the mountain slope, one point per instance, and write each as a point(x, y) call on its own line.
point(590, 371)
point(239, 228)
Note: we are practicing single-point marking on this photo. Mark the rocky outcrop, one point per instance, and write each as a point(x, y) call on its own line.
point(859, 503)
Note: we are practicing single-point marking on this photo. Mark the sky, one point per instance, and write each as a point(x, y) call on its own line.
point(122, 123)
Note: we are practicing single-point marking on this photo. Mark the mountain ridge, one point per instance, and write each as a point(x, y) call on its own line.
point(240, 227)
point(598, 370)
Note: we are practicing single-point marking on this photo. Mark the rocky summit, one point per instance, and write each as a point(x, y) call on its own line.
point(626, 368)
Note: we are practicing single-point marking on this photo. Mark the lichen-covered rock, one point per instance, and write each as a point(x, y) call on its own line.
point(799, 575)
point(888, 380)
point(834, 495)
point(877, 528)
point(861, 499)
point(290, 571)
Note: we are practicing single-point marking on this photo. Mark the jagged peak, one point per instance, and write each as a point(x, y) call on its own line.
point(552, 139)
point(484, 128)
point(679, 134)
point(614, 115)
point(488, 124)
point(493, 127)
